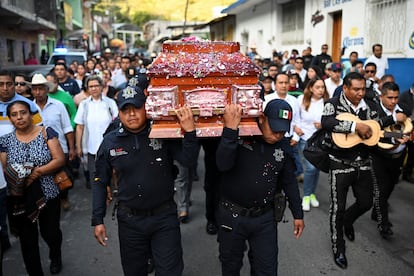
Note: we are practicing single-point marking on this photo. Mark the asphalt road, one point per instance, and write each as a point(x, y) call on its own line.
point(310, 255)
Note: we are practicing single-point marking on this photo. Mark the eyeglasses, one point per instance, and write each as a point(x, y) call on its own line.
point(7, 84)
point(93, 86)
point(22, 83)
point(370, 71)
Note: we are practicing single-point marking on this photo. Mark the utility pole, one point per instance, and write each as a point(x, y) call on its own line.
point(185, 16)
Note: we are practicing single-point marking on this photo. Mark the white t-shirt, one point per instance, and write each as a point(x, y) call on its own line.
point(95, 116)
point(331, 86)
point(310, 116)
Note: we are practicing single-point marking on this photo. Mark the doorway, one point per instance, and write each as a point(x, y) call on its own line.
point(337, 37)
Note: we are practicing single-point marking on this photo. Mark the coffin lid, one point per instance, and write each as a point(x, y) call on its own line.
point(202, 59)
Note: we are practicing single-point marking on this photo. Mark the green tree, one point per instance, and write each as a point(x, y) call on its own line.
point(141, 17)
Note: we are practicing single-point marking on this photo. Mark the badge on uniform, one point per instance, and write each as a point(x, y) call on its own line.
point(155, 144)
point(278, 154)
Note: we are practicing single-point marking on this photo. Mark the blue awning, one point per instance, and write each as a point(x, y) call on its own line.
point(234, 5)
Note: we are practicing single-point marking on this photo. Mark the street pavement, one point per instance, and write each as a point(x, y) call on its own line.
point(311, 255)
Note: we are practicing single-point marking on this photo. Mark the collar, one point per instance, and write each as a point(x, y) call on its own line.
point(361, 106)
point(121, 131)
point(396, 108)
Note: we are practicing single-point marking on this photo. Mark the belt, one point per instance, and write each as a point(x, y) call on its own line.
point(147, 212)
point(358, 162)
point(246, 212)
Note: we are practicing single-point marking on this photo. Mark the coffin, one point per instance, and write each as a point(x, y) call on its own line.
point(204, 76)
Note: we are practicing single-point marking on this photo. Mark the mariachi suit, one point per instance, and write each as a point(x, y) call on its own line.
point(348, 167)
point(387, 167)
point(406, 102)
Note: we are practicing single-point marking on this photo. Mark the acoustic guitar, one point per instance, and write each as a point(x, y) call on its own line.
point(349, 140)
point(398, 130)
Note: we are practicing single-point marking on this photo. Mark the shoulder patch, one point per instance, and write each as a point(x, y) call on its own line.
point(155, 144)
point(328, 109)
point(278, 154)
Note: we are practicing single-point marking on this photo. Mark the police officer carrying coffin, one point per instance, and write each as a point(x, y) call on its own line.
point(147, 218)
point(254, 172)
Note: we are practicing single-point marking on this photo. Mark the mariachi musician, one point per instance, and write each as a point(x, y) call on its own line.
point(351, 166)
point(389, 157)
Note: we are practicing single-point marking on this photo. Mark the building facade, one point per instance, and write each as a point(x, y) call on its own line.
point(345, 25)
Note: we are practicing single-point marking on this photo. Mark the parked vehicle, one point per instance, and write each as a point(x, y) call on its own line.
point(69, 55)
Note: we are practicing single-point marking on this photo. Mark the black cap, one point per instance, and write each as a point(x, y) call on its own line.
point(140, 79)
point(279, 115)
point(131, 95)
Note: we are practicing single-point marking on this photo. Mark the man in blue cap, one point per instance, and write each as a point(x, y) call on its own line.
point(256, 173)
point(147, 218)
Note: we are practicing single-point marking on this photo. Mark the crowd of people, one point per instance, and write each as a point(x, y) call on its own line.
point(318, 90)
point(91, 117)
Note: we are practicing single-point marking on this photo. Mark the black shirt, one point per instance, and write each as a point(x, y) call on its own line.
point(253, 171)
point(70, 86)
point(144, 168)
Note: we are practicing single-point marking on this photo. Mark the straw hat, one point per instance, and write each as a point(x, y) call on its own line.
point(39, 79)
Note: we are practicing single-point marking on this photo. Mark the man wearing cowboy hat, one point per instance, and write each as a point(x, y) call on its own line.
point(54, 115)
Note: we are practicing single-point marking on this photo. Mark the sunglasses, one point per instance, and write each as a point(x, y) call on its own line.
point(370, 71)
point(22, 83)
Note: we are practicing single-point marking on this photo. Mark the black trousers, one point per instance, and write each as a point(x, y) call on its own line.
point(341, 177)
point(261, 235)
point(387, 171)
point(49, 226)
point(143, 236)
point(211, 180)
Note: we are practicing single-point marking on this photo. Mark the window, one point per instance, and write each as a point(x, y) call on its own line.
point(387, 25)
point(10, 50)
point(293, 14)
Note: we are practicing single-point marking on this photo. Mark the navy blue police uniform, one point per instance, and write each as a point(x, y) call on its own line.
point(147, 218)
point(253, 171)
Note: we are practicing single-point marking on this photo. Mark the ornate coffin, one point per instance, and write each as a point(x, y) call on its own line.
point(204, 76)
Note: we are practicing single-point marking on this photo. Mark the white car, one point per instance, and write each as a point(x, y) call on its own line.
point(69, 55)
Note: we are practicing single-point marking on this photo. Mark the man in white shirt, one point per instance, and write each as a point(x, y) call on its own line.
point(282, 87)
point(334, 79)
point(379, 60)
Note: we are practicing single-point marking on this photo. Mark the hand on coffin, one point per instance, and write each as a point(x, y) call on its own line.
point(232, 116)
point(186, 119)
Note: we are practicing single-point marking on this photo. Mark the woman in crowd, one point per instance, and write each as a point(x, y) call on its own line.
point(313, 72)
point(80, 75)
point(34, 152)
point(94, 115)
point(84, 93)
point(22, 87)
point(311, 107)
point(108, 90)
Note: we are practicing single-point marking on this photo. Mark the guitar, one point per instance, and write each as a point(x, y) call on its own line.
point(348, 140)
point(399, 130)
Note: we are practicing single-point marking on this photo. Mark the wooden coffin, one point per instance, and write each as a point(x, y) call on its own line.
point(204, 76)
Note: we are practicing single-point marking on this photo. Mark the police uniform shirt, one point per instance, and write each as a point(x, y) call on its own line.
point(144, 168)
point(253, 171)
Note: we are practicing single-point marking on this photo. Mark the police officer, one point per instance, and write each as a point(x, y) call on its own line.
point(147, 219)
point(255, 170)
